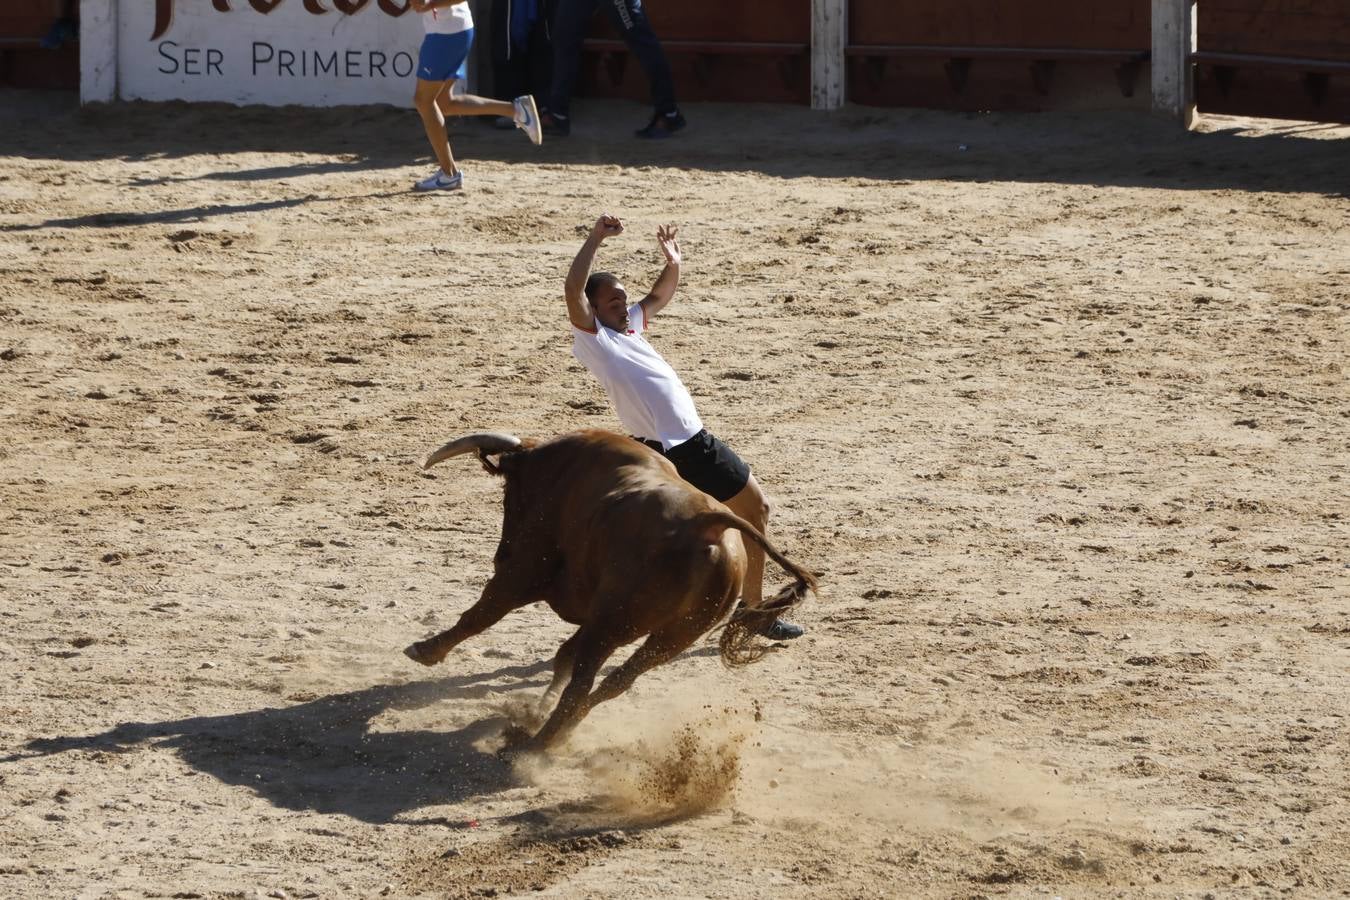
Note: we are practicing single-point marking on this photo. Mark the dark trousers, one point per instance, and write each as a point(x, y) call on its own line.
point(629, 18)
point(522, 67)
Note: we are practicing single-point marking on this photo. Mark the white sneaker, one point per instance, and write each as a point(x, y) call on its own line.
point(527, 119)
point(439, 181)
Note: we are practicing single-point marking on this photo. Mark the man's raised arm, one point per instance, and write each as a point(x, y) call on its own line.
point(669, 279)
point(578, 307)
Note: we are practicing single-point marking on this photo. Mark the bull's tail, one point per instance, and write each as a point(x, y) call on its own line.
point(737, 643)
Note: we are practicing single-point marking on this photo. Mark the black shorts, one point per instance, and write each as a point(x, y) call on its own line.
point(707, 464)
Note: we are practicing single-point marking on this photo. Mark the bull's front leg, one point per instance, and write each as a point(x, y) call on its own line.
point(563, 662)
point(591, 651)
point(497, 600)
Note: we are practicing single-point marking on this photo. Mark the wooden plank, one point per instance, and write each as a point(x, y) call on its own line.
point(1314, 29)
point(768, 48)
point(1115, 24)
point(829, 35)
point(1257, 61)
point(98, 51)
point(1173, 72)
point(788, 21)
point(1086, 54)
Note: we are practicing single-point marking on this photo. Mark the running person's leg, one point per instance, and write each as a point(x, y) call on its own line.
point(440, 64)
point(425, 98)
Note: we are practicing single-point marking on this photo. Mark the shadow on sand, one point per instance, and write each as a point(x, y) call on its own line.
point(1101, 148)
point(188, 214)
point(322, 755)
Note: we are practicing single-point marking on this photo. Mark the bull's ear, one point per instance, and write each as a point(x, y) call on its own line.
point(491, 467)
point(506, 460)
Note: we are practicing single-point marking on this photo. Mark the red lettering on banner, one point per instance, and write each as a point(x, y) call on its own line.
point(164, 9)
point(163, 17)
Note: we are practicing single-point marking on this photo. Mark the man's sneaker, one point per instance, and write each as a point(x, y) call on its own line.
point(662, 125)
point(441, 182)
point(555, 125)
point(527, 119)
point(778, 630)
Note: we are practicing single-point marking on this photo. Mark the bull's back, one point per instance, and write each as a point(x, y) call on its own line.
point(618, 513)
point(579, 473)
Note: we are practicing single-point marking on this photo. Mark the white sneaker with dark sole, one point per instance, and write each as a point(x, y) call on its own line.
point(527, 119)
point(441, 182)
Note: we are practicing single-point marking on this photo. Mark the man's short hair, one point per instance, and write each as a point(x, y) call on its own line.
point(597, 279)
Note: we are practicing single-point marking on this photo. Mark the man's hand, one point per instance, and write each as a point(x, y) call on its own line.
point(669, 279)
point(606, 226)
point(665, 238)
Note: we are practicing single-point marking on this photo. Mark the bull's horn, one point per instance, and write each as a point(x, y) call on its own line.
point(485, 441)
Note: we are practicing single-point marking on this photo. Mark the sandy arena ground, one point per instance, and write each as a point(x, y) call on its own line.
point(1055, 404)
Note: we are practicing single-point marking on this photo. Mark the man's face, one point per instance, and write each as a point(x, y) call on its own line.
point(611, 306)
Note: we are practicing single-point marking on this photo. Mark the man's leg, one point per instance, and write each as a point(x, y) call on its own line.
point(428, 107)
point(521, 111)
point(569, 30)
point(714, 468)
point(631, 21)
point(752, 506)
point(473, 105)
point(539, 57)
point(506, 58)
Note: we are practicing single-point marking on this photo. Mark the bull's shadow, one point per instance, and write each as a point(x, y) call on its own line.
point(322, 755)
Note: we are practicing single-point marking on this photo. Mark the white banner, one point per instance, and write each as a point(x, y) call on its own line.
point(274, 52)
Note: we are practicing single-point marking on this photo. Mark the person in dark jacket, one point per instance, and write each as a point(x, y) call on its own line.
point(522, 49)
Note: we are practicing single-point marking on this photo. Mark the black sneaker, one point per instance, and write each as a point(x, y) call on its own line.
point(778, 630)
point(662, 126)
point(555, 126)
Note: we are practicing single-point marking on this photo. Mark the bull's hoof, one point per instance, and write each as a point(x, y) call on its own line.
point(511, 752)
point(515, 739)
point(417, 653)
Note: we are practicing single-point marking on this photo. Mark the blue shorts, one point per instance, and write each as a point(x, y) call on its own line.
point(444, 56)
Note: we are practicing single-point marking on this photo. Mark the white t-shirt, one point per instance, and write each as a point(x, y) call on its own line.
point(649, 397)
point(448, 19)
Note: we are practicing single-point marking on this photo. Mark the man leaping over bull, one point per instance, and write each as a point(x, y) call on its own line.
point(649, 398)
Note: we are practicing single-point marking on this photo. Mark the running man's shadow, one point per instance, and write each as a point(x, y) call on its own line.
point(322, 755)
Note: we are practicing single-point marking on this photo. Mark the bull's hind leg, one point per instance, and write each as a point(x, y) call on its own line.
point(661, 647)
point(497, 600)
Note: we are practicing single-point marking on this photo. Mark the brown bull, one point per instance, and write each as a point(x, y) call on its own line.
point(605, 531)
